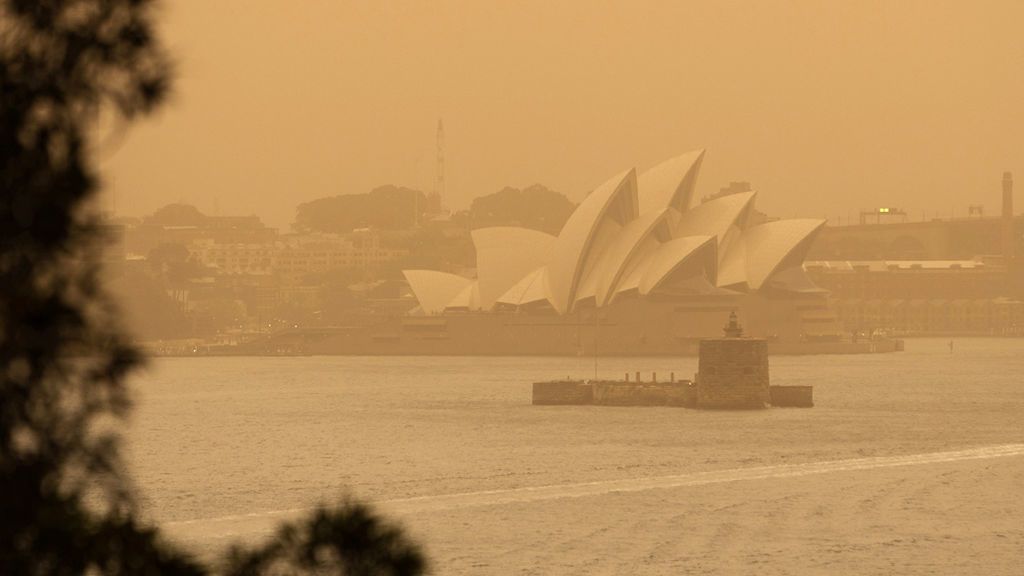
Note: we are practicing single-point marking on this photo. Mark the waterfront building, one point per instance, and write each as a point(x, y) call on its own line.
point(920, 297)
point(293, 257)
point(640, 254)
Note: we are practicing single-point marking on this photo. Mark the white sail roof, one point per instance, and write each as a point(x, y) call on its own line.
point(435, 290)
point(626, 246)
point(732, 268)
point(674, 255)
point(714, 217)
point(771, 244)
point(606, 209)
point(504, 255)
point(671, 183)
point(533, 288)
point(467, 299)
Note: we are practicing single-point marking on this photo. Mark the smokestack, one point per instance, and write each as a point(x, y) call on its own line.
point(1008, 217)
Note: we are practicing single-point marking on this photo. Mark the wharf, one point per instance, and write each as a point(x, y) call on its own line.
point(681, 394)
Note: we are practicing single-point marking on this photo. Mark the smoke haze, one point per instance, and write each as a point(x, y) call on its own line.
point(826, 107)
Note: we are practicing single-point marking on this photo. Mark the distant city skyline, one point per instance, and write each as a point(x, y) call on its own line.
point(848, 106)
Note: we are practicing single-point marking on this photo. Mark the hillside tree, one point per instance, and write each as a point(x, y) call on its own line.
point(67, 505)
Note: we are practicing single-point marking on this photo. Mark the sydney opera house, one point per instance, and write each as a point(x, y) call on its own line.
point(639, 268)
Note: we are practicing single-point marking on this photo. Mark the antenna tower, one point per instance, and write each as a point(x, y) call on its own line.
point(438, 195)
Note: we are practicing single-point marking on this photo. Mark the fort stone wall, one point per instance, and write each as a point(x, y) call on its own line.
point(733, 373)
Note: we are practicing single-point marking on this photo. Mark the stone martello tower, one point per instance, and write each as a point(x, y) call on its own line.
point(733, 370)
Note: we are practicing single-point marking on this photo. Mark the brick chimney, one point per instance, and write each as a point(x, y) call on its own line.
point(1007, 225)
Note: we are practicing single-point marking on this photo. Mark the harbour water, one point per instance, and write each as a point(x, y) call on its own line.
point(909, 462)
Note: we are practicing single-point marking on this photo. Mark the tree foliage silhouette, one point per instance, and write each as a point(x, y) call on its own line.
point(536, 207)
point(65, 504)
point(349, 539)
point(386, 207)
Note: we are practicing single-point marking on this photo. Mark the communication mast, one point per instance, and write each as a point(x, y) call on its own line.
point(437, 196)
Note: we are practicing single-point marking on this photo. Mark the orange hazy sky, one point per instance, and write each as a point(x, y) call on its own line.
point(826, 107)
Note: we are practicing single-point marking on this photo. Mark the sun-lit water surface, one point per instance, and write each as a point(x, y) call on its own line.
point(223, 437)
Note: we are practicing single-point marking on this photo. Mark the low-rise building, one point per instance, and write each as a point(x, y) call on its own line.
point(292, 257)
point(920, 296)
